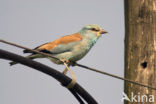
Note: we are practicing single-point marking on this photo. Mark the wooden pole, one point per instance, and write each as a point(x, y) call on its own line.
point(140, 50)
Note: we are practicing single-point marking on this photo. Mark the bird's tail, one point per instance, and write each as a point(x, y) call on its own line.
point(33, 56)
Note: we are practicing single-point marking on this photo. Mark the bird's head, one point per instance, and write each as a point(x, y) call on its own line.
point(92, 29)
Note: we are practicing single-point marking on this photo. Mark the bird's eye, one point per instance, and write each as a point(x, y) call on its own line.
point(94, 29)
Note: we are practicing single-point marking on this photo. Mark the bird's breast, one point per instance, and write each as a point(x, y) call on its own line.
point(81, 50)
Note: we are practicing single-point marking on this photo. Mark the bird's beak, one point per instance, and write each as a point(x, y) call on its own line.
point(103, 31)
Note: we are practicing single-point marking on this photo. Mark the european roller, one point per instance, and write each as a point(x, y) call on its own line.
point(70, 48)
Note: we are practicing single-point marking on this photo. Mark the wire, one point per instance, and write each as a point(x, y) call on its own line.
point(83, 66)
point(115, 76)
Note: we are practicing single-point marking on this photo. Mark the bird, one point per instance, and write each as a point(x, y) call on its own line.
point(70, 48)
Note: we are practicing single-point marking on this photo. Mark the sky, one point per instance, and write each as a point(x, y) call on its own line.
point(34, 22)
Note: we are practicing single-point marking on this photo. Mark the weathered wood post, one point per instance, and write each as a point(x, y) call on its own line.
point(140, 49)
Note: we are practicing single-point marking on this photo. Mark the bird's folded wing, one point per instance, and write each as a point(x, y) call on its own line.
point(61, 45)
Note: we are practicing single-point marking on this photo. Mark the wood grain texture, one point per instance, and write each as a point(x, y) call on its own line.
point(140, 47)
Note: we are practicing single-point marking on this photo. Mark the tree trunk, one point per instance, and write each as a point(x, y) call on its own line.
point(140, 50)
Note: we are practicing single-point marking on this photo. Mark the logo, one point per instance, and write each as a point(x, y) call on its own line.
point(138, 97)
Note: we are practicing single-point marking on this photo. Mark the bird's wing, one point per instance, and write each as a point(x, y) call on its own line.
point(63, 44)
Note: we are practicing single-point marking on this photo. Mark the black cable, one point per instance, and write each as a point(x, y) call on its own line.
point(76, 96)
point(64, 80)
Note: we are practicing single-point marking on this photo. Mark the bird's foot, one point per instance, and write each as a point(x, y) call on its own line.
point(73, 82)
